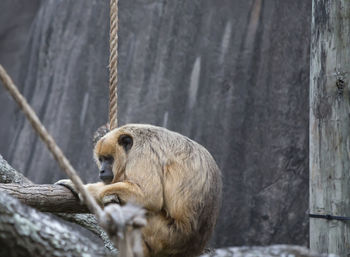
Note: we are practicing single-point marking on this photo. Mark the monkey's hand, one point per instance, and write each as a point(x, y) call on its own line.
point(97, 189)
point(70, 185)
point(94, 189)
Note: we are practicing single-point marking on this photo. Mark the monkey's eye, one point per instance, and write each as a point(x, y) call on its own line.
point(125, 141)
point(107, 158)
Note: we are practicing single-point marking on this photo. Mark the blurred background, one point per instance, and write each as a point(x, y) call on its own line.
point(231, 74)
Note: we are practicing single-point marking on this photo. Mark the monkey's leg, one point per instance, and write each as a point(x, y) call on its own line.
point(165, 236)
point(127, 192)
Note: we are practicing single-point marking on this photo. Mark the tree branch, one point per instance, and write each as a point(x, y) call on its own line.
point(27, 232)
point(46, 198)
point(88, 221)
point(10, 175)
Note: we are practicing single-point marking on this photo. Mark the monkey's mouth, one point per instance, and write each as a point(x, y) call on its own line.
point(106, 177)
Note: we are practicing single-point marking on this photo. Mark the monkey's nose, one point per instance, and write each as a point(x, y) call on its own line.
point(106, 176)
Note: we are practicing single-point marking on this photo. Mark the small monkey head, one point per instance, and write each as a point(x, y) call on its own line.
point(111, 153)
point(129, 149)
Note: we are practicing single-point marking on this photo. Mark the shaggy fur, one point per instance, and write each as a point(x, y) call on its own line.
point(174, 178)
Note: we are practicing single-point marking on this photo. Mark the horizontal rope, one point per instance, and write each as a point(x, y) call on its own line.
point(329, 217)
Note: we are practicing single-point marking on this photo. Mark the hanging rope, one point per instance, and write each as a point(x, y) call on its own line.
point(113, 65)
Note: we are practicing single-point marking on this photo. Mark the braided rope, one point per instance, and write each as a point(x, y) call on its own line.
point(106, 217)
point(50, 142)
point(113, 65)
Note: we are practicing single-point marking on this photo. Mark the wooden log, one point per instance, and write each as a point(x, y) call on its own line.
point(46, 198)
point(10, 175)
point(28, 232)
point(330, 126)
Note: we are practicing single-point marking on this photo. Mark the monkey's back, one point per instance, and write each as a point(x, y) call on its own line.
point(204, 185)
point(191, 190)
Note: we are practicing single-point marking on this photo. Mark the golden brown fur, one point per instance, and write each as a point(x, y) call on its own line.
point(174, 178)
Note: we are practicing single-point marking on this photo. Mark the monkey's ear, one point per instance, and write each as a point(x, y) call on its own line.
point(126, 141)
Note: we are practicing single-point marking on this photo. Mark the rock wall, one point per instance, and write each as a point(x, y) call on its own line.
point(232, 75)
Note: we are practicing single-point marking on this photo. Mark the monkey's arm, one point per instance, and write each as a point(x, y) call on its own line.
point(125, 192)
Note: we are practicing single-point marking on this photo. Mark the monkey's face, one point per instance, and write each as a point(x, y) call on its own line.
point(111, 154)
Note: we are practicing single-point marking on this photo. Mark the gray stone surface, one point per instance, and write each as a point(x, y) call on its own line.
point(232, 75)
point(16, 18)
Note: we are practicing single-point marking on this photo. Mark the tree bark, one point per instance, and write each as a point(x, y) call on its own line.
point(329, 125)
point(88, 221)
point(27, 232)
point(46, 198)
point(10, 175)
